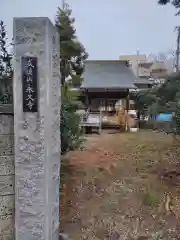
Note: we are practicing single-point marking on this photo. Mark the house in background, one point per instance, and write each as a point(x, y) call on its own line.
point(133, 61)
point(155, 71)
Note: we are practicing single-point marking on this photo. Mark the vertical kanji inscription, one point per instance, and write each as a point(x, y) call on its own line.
point(29, 84)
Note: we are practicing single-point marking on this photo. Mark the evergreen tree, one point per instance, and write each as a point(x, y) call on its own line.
point(175, 3)
point(5, 68)
point(177, 114)
point(72, 52)
point(5, 57)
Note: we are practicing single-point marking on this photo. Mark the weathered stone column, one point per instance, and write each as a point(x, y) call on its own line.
point(37, 133)
point(6, 172)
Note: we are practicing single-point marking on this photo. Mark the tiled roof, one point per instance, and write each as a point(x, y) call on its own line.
point(108, 74)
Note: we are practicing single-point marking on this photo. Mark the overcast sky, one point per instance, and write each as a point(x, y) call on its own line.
point(107, 28)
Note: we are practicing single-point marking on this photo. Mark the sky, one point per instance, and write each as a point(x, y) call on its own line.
point(107, 28)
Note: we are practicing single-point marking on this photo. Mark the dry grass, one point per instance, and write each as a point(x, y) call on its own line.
point(115, 190)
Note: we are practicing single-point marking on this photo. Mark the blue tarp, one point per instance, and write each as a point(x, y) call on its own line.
point(164, 117)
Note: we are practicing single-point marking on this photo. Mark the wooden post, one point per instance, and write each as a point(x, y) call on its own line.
point(127, 110)
point(100, 122)
point(106, 102)
point(86, 99)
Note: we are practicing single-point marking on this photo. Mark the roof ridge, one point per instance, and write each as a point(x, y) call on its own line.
point(106, 61)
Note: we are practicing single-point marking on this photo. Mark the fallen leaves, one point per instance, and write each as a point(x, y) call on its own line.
point(106, 191)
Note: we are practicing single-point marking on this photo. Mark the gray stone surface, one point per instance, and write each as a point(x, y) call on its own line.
point(7, 185)
point(6, 205)
point(37, 135)
point(7, 171)
point(6, 144)
point(6, 164)
point(7, 225)
point(7, 237)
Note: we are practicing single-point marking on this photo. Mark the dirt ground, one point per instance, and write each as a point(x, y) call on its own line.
point(118, 186)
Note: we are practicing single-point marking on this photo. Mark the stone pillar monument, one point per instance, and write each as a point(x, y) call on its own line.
point(36, 128)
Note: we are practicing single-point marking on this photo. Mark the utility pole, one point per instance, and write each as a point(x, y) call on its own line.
point(63, 4)
point(178, 48)
point(137, 69)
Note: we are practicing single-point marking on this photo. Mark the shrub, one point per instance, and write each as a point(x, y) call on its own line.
point(70, 130)
point(177, 114)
